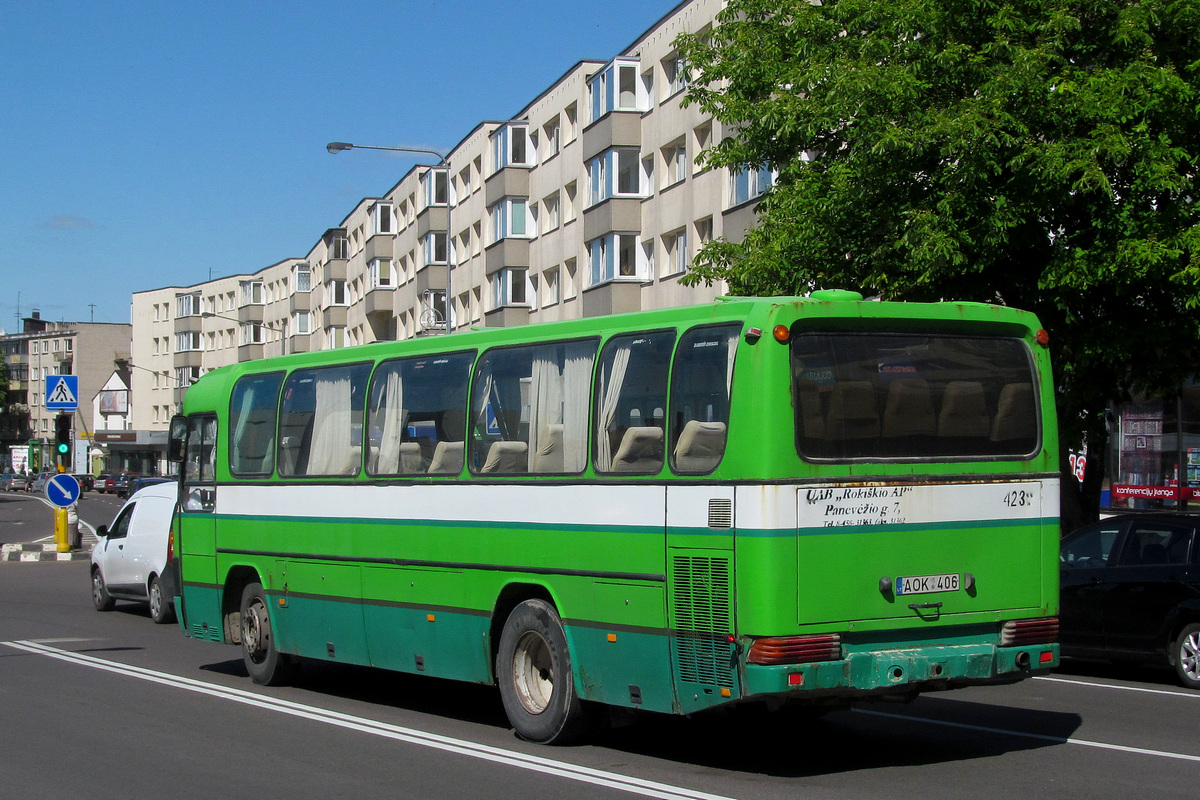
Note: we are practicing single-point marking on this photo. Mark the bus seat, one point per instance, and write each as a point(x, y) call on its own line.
point(411, 459)
point(549, 456)
point(505, 457)
point(641, 450)
point(1015, 415)
point(808, 399)
point(964, 412)
point(447, 459)
point(700, 446)
point(852, 411)
point(909, 409)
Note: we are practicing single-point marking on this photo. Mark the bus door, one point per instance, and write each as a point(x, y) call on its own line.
point(195, 547)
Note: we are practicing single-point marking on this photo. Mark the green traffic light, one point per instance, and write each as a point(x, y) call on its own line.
point(64, 448)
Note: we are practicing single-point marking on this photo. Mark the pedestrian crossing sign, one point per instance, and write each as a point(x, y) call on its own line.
point(62, 392)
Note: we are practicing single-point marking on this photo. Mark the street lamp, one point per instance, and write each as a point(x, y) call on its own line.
point(444, 163)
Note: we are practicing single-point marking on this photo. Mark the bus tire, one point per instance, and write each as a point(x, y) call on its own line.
point(537, 685)
point(266, 665)
point(1187, 656)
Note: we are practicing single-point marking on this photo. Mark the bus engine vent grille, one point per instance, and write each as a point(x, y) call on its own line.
point(700, 594)
point(720, 512)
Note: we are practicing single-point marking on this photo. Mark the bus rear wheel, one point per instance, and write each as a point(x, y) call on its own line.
point(537, 685)
point(266, 665)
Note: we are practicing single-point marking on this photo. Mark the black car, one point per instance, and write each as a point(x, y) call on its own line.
point(86, 481)
point(1131, 590)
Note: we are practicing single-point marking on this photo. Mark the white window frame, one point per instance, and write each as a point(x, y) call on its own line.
point(189, 342)
point(512, 218)
point(510, 287)
point(383, 274)
point(747, 185)
point(337, 292)
point(511, 146)
point(252, 293)
point(302, 322)
point(303, 278)
point(617, 87)
point(436, 191)
point(187, 305)
point(615, 257)
point(675, 252)
point(430, 247)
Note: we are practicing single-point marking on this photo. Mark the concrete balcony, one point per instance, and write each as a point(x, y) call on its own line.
point(614, 215)
point(507, 317)
point(615, 129)
point(617, 297)
point(189, 324)
point(506, 253)
point(380, 301)
point(189, 358)
point(334, 317)
point(300, 301)
point(250, 313)
point(508, 182)
point(431, 218)
point(379, 246)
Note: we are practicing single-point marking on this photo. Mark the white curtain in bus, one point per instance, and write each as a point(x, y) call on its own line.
point(545, 401)
point(610, 396)
point(239, 434)
point(331, 452)
point(387, 456)
point(577, 384)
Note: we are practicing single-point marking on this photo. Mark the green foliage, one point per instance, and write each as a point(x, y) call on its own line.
point(1036, 153)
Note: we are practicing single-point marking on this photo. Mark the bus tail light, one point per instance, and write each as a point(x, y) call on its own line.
point(795, 649)
point(1018, 632)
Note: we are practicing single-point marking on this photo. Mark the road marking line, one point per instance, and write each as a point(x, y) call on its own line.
point(1176, 693)
point(447, 744)
point(1039, 736)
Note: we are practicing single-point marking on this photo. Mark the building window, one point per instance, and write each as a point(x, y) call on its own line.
point(336, 292)
point(551, 143)
point(616, 87)
point(675, 161)
point(509, 287)
point(745, 186)
point(302, 322)
point(510, 218)
point(703, 141)
point(384, 221)
point(615, 173)
point(253, 333)
point(675, 246)
point(433, 245)
point(383, 276)
point(339, 248)
point(550, 212)
point(550, 287)
point(252, 293)
point(510, 147)
point(188, 342)
point(335, 337)
point(612, 257)
point(434, 181)
point(187, 305)
point(303, 278)
point(675, 68)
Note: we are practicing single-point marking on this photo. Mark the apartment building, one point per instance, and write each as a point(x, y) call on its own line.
point(590, 200)
point(43, 348)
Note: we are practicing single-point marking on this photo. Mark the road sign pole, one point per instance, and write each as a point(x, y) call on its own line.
point(60, 530)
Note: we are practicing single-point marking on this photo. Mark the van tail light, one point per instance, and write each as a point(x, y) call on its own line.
point(171, 545)
point(1020, 632)
point(795, 649)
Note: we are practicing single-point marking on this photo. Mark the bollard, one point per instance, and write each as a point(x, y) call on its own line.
point(60, 530)
point(74, 542)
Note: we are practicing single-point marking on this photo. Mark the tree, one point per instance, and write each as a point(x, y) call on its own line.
point(1040, 154)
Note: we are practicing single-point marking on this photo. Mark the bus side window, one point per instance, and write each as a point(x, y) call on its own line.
point(700, 395)
point(631, 390)
point(321, 427)
point(415, 415)
point(199, 476)
point(252, 422)
point(529, 412)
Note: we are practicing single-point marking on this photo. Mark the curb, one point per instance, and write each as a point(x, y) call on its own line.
point(41, 552)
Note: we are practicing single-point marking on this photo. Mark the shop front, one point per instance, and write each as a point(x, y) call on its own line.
point(141, 452)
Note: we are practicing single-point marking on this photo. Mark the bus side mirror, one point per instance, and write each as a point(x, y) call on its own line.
point(175, 445)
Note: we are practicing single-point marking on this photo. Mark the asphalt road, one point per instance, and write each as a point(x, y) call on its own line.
point(113, 706)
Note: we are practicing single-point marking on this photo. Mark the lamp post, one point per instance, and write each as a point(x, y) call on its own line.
point(444, 163)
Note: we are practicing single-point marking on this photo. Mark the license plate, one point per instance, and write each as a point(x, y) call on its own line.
point(927, 584)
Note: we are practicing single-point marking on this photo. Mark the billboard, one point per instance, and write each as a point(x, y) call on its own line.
point(114, 401)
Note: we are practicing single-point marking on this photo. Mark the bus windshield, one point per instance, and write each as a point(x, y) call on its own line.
point(904, 396)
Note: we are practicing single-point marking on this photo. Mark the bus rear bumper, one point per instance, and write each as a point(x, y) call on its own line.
point(899, 672)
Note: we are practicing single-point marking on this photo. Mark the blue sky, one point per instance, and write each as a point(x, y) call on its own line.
point(160, 144)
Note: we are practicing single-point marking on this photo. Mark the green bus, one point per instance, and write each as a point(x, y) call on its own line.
point(757, 500)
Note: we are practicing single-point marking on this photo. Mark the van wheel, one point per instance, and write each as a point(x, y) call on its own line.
point(537, 685)
point(161, 610)
point(1187, 656)
point(100, 595)
point(266, 665)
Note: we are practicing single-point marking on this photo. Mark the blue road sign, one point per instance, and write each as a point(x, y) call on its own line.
point(62, 490)
point(62, 392)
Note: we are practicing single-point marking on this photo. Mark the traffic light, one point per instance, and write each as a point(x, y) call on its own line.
point(62, 434)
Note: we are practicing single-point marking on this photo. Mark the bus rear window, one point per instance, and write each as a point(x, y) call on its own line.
point(904, 396)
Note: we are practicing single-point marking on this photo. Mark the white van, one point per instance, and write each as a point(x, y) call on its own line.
point(130, 557)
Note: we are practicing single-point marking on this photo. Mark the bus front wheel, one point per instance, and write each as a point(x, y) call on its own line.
point(266, 665)
point(533, 668)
